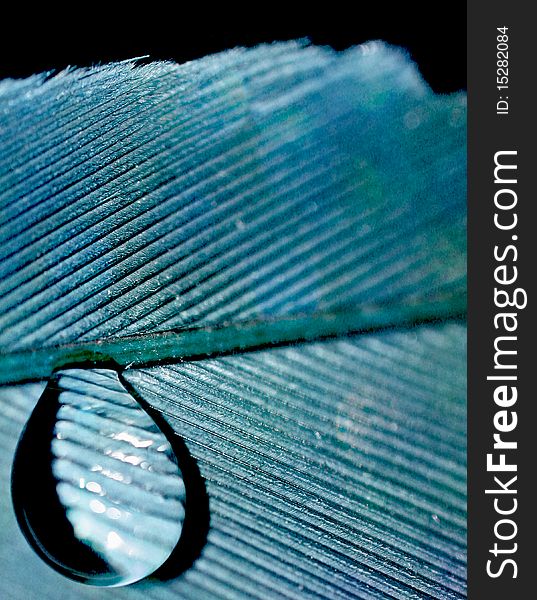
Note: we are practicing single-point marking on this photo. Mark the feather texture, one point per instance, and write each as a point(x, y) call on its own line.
point(285, 193)
point(334, 470)
point(280, 181)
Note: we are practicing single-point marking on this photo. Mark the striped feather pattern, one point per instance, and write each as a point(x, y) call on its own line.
point(334, 470)
point(254, 184)
point(264, 186)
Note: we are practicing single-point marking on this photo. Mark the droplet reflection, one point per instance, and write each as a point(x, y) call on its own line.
point(96, 484)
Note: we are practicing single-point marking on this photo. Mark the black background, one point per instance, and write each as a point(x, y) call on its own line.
point(434, 35)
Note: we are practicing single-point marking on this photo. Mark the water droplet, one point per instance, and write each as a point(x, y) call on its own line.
point(96, 485)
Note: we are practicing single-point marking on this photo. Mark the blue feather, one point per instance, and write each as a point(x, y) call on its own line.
point(157, 212)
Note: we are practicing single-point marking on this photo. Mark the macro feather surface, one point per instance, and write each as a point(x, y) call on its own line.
point(254, 184)
point(161, 211)
point(334, 469)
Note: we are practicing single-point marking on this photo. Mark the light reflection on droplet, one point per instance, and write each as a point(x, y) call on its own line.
point(113, 513)
point(113, 541)
point(127, 458)
point(113, 497)
point(97, 507)
point(132, 439)
point(93, 486)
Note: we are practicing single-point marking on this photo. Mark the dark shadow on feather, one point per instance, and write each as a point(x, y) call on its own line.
point(42, 517)
point(197, 514)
